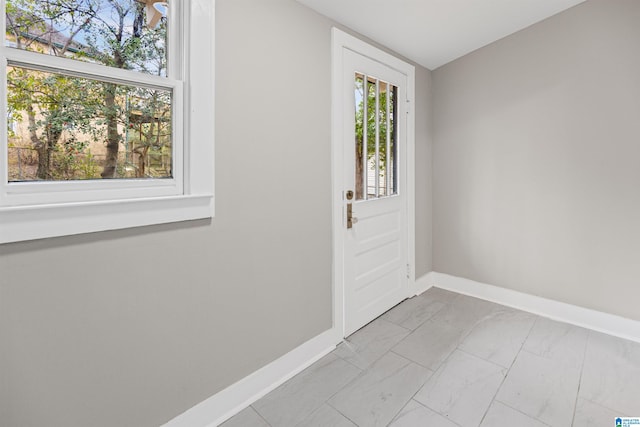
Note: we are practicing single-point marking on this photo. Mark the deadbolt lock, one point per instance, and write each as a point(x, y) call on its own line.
point(350, 218)
point(349, 195)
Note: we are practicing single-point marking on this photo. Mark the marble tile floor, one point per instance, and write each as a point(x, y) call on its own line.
point(447, 360)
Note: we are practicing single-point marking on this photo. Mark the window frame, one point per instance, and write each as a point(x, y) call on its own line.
point(35, 210)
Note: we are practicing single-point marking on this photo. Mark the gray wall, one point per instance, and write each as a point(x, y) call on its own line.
point(424, 172)
point(537, 160)
point(133, 327)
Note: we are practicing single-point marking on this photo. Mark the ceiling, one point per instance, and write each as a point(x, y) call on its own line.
point(434, 32)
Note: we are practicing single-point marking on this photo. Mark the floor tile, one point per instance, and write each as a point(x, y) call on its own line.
point(438, 359)
point(299, 397)
point(413, 312)
point(381, 392)
point(431, 343)
point(589, 414)
point(246, 418)
point(368, 344)
point(542, 388)
point(326, 416)
point(500, 415)
point(611, 374)
point(499, 337)
point(439, 295)
point(416, 415)
point(465, 312)
point(557, 340)
point(462, 389)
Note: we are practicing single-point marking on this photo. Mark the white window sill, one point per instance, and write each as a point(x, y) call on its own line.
point(44, 221)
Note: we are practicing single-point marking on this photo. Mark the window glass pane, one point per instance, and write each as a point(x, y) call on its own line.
point(382, 117)
point(393, 145)
point(359, 98)
point(72, 128)
point(371, 138)
point(127, 34)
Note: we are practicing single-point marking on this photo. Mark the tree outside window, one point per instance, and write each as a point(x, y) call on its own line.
point(72, 127)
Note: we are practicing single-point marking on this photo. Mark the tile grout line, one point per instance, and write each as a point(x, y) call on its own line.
point(367, 369)
point(338, 411)
point(584, 358)
point(346, 360)
point(604, 407)
point(409, 362)
point(422, 404)
point(362, 373)
point(444, 361)
point(448, 355)
point(509, 371)
point(506, 368)
point(520, 412)
point(523, 349)
point(260, 415)
point(436, 412)
point(323, 401)
point(412, 331)
point(417, 391)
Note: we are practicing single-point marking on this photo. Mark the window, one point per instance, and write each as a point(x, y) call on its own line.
point(100, 131)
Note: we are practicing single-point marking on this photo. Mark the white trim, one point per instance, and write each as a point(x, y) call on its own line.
point(27, 223)
point(228, 402)
point(72, 67)
point(200, 96)
point(424, 283)
point(337, 165)
point(339, 41)
point(591, 319)
point(162, 201)
point(411, 176)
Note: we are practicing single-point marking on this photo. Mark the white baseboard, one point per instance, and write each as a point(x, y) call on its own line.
point(591, 319)
point(424, 283)
point(233, 399)
point(228, 402)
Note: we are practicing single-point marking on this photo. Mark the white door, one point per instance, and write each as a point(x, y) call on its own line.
point(374, 197)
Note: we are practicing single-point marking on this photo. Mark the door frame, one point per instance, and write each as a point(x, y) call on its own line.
point(341, 41)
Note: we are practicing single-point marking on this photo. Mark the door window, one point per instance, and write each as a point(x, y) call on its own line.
point(376, 138)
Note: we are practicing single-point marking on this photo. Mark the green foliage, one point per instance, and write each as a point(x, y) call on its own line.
point(385, 108)
point(89, 167)
point(57, 105)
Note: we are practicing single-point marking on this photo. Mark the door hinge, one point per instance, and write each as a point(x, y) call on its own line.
point(408, 271)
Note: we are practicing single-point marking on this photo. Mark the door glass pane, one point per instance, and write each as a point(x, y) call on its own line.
point(393, 138)
point(359, 132)
point(375, 123)
point(382, 117)
point(128, 34)
point(371, 139)
point(73, 128)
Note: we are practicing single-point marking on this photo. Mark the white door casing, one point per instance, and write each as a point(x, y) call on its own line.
point(373, 260)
